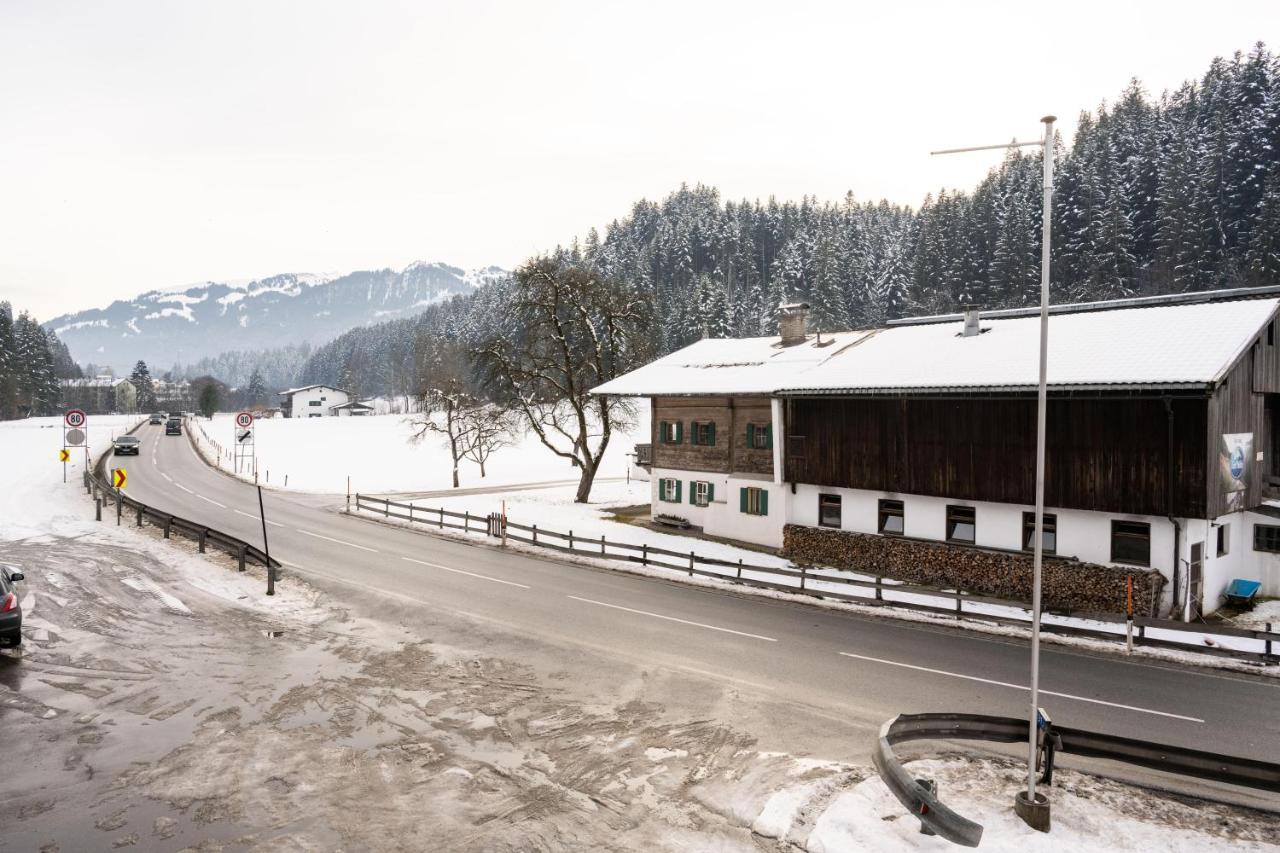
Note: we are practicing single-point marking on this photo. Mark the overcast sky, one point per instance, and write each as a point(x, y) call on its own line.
point(150, 144)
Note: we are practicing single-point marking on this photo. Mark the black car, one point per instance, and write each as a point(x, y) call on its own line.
point(10, 609)
point(127, 445)
point(173, 427)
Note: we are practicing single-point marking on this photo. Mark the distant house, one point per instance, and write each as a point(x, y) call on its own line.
point(313, 401)
point(100, 395)
point(352, 408)
point(909, 451)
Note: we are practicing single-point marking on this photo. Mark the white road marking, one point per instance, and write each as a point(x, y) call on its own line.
point(339, 541)
point(461, 572)
point(166, 476)
point(184, 488)
point(259, 518)
point(1023, 687)
point(212, 501)
point(674, 619)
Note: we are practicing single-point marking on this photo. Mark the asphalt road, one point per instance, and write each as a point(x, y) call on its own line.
point(848, 667)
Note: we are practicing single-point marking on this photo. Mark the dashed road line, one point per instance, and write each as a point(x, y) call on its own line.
point(184, 488)
point(258, 518)
point(338, 541)
point(212, 501)
point(462, 572)
point(1022, 687)
point(674, 619)
point(166, 476)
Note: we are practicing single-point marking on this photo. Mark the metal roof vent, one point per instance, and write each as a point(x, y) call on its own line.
point(971, 316)
point(793, 323)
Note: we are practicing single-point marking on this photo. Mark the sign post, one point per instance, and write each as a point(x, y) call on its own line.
point(75, 432)
point(243, 443)
point(64, 456)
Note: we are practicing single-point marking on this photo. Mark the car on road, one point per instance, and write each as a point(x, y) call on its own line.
point(156, 420)
point(173, 427)
point(127, 445)
point(10, 608)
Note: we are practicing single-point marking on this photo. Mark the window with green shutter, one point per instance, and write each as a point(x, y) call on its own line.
point(753, 501)
point(760, 436)
point(751, 435)
point(669, 490)
point(701, 493)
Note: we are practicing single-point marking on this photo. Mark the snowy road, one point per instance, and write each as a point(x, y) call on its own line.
point(853, 672)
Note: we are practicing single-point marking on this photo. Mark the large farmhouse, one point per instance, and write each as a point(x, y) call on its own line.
point(909, 451)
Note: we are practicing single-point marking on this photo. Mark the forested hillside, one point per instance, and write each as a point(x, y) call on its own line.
point(1154, 195)
point(32, 361)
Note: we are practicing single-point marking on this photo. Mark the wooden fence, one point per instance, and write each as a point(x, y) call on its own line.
point(881, 591)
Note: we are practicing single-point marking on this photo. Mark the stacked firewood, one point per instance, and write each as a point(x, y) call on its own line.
point(1067, 585)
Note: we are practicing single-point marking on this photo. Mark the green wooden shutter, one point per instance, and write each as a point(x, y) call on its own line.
point(751, 435)
point(679, 432)
point(695, 437)
point(662, 432)
point(711, 438)
point(742, 500)
point(768, 437)
point(711, 492)
point(764, 502)
point(677, 491)
point(693, 491)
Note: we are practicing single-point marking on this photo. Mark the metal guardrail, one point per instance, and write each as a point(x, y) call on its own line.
point(97, 484)
point(884, 592)
point(924, 803)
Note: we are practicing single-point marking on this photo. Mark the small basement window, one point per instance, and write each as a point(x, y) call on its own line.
point(1131, 543)
point(701, 493)
point(753, 501)
point(962, 524)
point(1224, 539)
point(1266, 537)
point(1050, 532)
point(829, 510)
point(891, 521)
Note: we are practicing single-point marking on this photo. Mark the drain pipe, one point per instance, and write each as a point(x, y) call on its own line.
point(1177, 527)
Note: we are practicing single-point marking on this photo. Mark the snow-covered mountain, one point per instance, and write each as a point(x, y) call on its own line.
point(165, 327)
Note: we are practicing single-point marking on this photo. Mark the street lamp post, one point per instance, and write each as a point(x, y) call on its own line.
point(1033, 807)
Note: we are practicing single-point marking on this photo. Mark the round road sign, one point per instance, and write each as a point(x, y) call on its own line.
point(244, 420)
point(75, 437)
point(74, 418)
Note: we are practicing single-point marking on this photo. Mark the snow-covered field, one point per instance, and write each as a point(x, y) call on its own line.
point(318, 454)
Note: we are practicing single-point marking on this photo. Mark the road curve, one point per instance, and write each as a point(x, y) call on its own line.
point(860, 669)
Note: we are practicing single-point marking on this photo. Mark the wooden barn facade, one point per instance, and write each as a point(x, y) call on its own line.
point(1161, 452)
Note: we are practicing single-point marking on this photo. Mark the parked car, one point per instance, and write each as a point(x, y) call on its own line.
point(10, 609)
point(127, 445)
point(173, 427)
point(156, 420)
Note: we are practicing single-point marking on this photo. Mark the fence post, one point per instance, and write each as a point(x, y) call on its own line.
point(739, 568)
point(570, 540)
point(1128, 617)
point(802, 576)
point(168, 525)
point(286, 481)
point(97, 513)
point(879, 589)
point(442, 518)
point(690, 564)
point(411, 513)
point(959, 602)
point(204, 534)
point(1268, 641)
point(644, 554)
point(386, 508)
point(535, 534)
point(139, 515)
point(601, 543)
point(243, 548)
point(466, 521)
point(119, 508)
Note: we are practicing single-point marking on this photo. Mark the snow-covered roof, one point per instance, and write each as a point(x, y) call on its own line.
point(352, 404)
point(1164, 346)
point(290, 392)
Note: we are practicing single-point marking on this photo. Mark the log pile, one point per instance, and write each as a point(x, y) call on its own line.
point(1066, 584)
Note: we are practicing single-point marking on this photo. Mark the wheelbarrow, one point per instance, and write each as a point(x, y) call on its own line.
point(1241, 592)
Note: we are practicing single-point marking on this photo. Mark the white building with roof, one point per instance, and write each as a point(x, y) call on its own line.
point(314, 401)
point(913, 445)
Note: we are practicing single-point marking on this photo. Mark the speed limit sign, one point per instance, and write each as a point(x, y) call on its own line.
point(244, 420)
point(74, 418)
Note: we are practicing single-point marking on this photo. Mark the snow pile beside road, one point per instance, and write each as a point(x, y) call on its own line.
point(318, 454)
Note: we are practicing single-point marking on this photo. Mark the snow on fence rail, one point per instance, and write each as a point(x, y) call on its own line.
point(866, 590)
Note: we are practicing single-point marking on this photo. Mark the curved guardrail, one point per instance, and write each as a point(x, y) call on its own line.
point(921, 801)
point(97, 483)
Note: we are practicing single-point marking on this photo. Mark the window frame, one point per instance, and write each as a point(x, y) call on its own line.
point(755, 501)
point(1029, 532)
point(754, 431)
point(696, 490)
point(669, 495)
point(825, 500)
point(1117, 532)
point(696, 436)
point(887, 508)
point(1222, 547)
point(1268, 531)
point(955, 517)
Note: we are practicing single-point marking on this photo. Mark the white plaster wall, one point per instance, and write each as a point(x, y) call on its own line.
point(724, 517)
point(327, 397)
point(1257, 565)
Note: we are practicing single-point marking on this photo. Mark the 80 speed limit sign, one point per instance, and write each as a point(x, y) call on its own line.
point(244, 420)
point(74, 418)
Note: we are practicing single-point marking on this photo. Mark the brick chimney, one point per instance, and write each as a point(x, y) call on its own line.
point(793, 323)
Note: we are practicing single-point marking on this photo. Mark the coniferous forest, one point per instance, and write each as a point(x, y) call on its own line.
point(32, 361)
point(1154, 195)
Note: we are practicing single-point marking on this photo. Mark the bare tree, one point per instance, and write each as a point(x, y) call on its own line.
point(443, 413)
point(570, 330)
point(488, 428)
